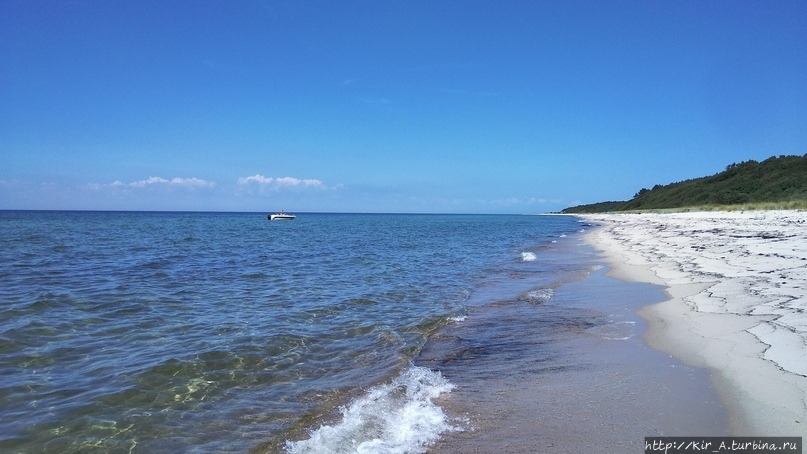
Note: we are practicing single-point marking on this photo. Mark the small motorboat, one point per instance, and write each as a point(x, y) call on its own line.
point(282, 216)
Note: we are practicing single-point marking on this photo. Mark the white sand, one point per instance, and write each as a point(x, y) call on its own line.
point(737, 283)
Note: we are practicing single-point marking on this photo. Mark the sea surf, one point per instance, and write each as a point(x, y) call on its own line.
point(201, 332)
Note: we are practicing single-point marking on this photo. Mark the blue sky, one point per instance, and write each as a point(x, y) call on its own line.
point(452, 106)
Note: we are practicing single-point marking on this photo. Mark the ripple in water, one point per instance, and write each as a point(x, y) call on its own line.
point(216, 332)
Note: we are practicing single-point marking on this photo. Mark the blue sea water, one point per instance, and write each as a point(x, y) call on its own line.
point(225, 332)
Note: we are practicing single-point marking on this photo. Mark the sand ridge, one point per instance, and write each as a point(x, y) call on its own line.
point(737, 283)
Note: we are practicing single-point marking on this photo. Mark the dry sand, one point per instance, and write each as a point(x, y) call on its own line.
point(737, 283)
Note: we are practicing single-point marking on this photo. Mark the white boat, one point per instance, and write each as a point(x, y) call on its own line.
point(282, 216)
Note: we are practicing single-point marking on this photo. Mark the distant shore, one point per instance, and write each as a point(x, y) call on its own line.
point(737, 283)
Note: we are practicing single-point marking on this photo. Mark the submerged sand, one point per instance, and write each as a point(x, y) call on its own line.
point(569, 373)
point(737, 283)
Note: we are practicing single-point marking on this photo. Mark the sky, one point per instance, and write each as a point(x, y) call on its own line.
point(425, 106)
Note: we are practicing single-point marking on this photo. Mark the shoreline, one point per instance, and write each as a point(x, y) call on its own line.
point(569, 373)
point(737, 303)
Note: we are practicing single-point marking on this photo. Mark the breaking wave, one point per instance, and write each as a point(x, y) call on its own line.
point(539, 296)
point(397, 417)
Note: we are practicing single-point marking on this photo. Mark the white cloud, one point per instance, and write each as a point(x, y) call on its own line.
point(187, 183)
point(280, 183)
point(289, 181)
point(150, 181)
point(192, 183)
point(258, 178)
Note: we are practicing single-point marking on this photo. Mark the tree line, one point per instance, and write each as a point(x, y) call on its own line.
point(774, 180)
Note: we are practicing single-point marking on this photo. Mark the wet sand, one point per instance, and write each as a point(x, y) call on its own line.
point(737, 287)
point(571, 374)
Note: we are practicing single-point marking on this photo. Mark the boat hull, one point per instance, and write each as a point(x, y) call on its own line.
point(281, 217)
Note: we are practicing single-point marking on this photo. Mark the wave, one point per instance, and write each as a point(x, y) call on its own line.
point(539, 296)
point(528, 256)
point(615, 331)
point(397, 417)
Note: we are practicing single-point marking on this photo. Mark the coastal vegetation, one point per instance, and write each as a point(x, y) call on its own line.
point(775, 183)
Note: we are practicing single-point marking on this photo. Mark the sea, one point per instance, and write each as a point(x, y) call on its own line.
point(194, 332)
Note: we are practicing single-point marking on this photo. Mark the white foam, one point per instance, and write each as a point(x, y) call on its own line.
point(528, 256)
point(397, 417)
point(540, 296)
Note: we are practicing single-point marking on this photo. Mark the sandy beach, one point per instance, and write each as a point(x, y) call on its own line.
point(737, 287)
point(568, 373)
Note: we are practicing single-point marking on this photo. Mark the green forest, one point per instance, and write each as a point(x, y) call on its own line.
point(777, 180)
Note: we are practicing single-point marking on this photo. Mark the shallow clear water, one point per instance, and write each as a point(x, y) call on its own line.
point(564, 371)
point(200, 332)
